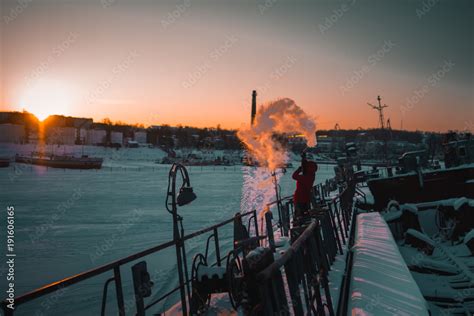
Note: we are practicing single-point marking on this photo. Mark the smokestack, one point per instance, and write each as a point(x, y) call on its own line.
point(254, 106)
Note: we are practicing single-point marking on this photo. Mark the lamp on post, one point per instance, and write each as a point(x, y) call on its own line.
point(183, 197)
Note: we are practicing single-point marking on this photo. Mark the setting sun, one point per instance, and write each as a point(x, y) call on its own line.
point(47, 97)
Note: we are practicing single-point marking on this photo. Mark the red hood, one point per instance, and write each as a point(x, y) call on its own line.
point(310, 167)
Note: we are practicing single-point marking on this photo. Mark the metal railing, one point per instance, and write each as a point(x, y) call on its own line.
point(285, 205)
point(307, 261)
point(115, 268)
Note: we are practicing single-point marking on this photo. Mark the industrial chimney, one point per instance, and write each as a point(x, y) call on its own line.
point(254, 106)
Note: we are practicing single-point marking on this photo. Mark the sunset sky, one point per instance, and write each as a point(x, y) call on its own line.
point(195, 62)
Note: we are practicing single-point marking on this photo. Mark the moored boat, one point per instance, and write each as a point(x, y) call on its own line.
point(415, 182)
point(61, 161)
point(4, 162)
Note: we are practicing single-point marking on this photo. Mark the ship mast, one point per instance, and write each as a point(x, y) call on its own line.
point(379, 108)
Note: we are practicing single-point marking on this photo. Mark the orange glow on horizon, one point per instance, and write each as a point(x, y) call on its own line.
point(47, 97)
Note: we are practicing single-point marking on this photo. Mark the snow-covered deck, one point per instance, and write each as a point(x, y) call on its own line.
point(381, 283)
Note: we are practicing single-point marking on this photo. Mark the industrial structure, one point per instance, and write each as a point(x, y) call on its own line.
point(254, 106)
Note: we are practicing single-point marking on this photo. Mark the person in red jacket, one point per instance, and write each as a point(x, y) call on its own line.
point(304, 176)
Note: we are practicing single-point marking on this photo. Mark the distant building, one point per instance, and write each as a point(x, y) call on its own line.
point(4, 116)
point(140, 137)
point(95, 136)
point(68, 121)
point(328, 144)
point(116, 138)
point(12, 133)
point(61, 135)
point(83, 135)
point(20, 118)
point(296, 139)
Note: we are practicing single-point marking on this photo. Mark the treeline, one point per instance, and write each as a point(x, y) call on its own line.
point(414, 137)
point(167, 136)
point(186, 136)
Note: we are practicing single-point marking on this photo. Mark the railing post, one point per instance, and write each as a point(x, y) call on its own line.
point(268, 222)
point(138, 287)
point(255, 222)
point(285, 213)
point(293, 286)
point(327, 293)
point(334, 228)
point(119, 291)
point(218, 252)
point(339, 222)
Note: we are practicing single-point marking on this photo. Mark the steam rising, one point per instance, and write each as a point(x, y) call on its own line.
point(257, 190)
point(281, 116)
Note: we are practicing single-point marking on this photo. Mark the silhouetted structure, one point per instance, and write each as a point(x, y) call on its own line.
point(254, 106)
point(379, 108)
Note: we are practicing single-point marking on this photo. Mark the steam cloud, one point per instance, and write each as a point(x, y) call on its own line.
point(281, 116)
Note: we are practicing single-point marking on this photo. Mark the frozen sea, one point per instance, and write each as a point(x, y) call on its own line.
point(70, 221)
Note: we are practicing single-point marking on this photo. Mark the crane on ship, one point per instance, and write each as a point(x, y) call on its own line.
point(379, 108)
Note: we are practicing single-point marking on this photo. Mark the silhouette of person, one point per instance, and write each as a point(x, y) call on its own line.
point(304, 176)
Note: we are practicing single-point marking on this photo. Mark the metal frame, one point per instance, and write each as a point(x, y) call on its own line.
point(114, 267)
point(307, 262)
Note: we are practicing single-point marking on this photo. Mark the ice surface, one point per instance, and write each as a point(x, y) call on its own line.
point(421, 236)
point(392, 215)
point(381, 282)
point(459, 203)
point(447, 202)
point(120, 211)
point(282, 242)
point(469, 236)
point(434, 286)
point(410, 208)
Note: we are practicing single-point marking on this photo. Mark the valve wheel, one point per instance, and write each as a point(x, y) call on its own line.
point(234, 277)
point(199, 260)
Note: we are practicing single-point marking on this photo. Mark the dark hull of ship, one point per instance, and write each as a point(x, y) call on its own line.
point(4, 163)
point(437, 185)
point(62, 163)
